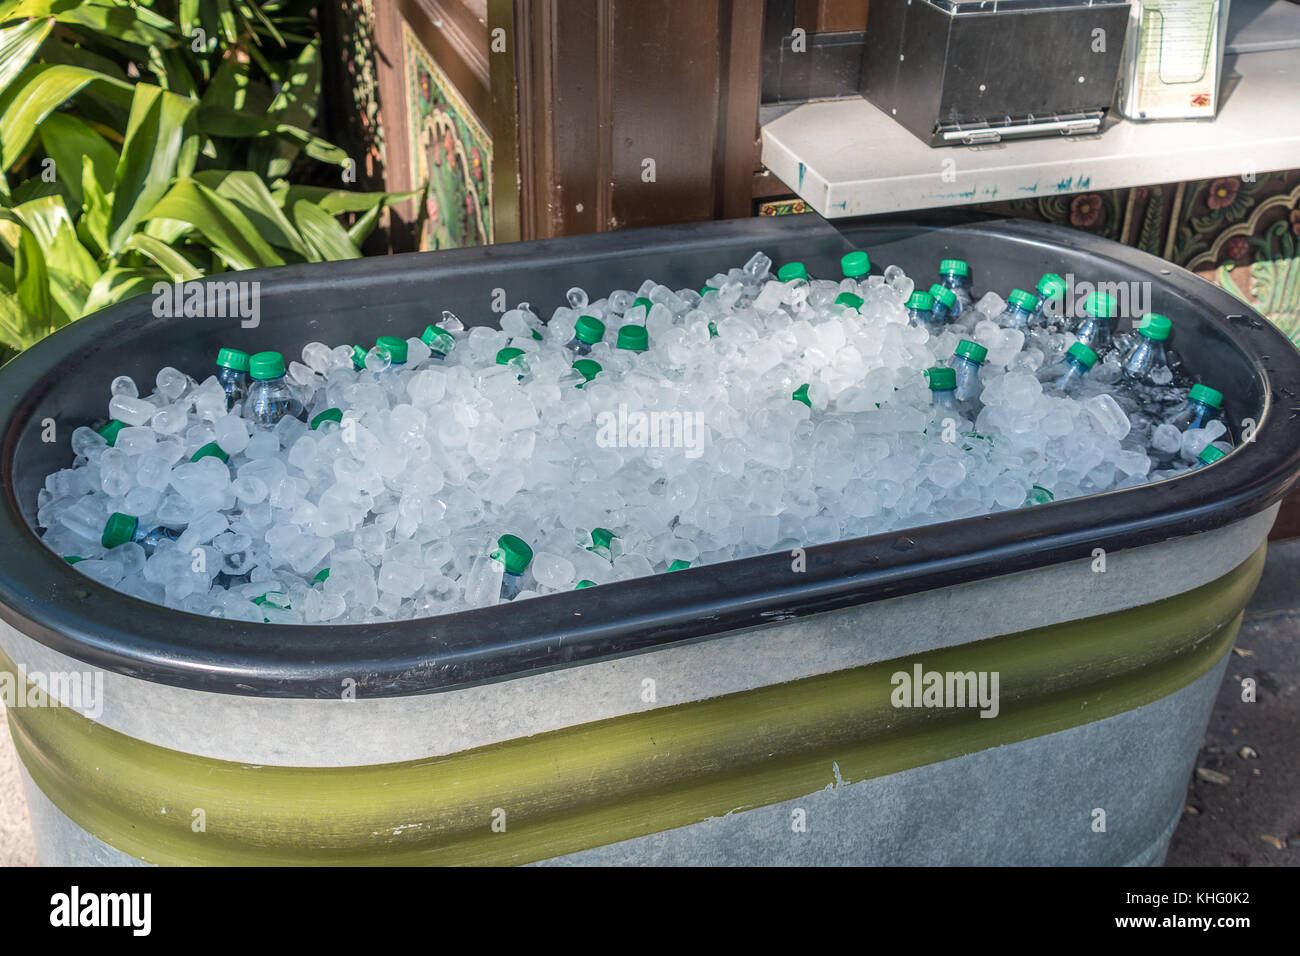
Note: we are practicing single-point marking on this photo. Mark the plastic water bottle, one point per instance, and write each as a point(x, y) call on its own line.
point(633, 338)
point(515, 554)
point(945, 303)
point(328, 415)
point(514, 358)
point(587, 332)
point(1093, 328)
point(1066, 374)
point(108, 430)
point(120, 528)
point(588, 368)
point(602, 544)
point(1019, 313)
point(1203, 406)
point(1209, 455)
point(943, 388)
point(232, 373)
point(1147, 352)
point(967, 360)
point(440, 342)
point(359, 358)
point(855, 265)
point(269, 396)
point(393, 349)
point(955, 274)
point(1051, 299)
point(920, 311)
point(849, 300)
point(793, 270)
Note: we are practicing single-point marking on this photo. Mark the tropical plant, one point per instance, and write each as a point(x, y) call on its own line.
point(146, 141)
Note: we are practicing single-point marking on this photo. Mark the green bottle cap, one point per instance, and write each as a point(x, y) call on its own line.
point(921, 301)
point(800, 394)
point(644, 303)
point(110, 431)
point(792, 270)
point(1206, 395)
point(358, 357)
point(943, 295)
point(679, 565)
point(602, 538)
point(634, 338)
point(849, 299)
point(321, 576)
point(265, 600)
point(971, 350)
point(1082, 354)
point(329, 415)
point(514, 553)
point(584, 583)
point(706, 289)
point(265, 366)
point(1210, 454)
point(1050, 285)
point(589, 369)
point(393, 347)
point(589, 329)
point(233, 358)
point(1025, 300)
point(119, 529)
point(1099, 305)
point(713, 330)
point(954, 267)
point(1155, 327)
point(537, 336)
point(941, 378)
point(1039, 495)
point(438, 339)
point(72, 558)
point(508, 354)
point(210, 450)
point(855, 264)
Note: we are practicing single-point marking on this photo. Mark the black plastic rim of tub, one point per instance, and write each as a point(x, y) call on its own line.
point(44, 598)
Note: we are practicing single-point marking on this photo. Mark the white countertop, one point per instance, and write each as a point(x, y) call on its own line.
point(847, 158)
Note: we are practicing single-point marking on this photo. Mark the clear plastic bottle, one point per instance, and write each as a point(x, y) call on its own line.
point(1094, 326)
point(587, 332)
point(1052, 290)
point(793, 270)
point(955, 274)
point(967, 360)
point(440, 342)
point(269, 396)
point(120, 528)
point(1147, 353)
point(945, 303)
point(1019, 313)
point(1203, 406)
point(232, 373)
point(515, 554)
point(589, 368)
point(943, 388)
point(1066, 374)
point(393, 349)
point(855, 265)
point(920, 311)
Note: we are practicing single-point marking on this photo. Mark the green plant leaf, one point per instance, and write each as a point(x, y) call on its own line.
point(50, 223)
point(324, 232)
point(149, 159)
point(360, 230)
point(18, 44)
point(37, 92)
point(92, 227)
point(247, 191)
point(219, 224)
point(229, 25)
point(335, 201)
point(119, 284)
point(66, 140)
point(296, 105)
point(127, 23)
point(33, 283)
point(169, 260)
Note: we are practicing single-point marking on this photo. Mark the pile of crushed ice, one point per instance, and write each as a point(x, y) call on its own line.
point(764, 415)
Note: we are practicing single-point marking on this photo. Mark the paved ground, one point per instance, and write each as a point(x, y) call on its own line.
point(1243, 804)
